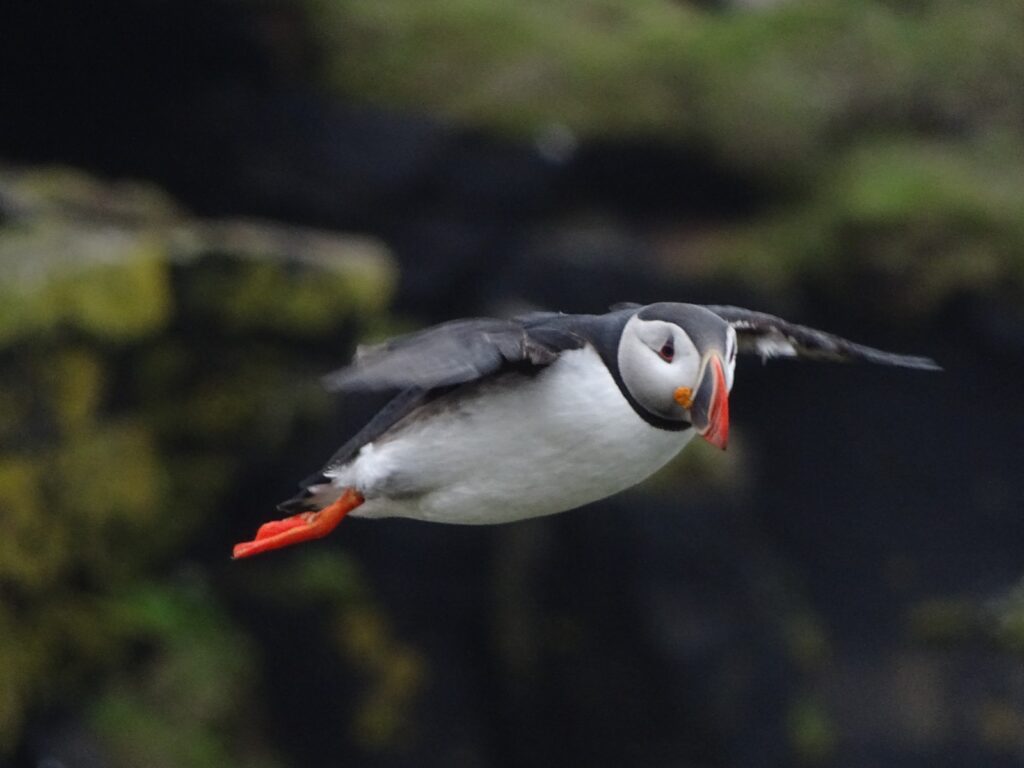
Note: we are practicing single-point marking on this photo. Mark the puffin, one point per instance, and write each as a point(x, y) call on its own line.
point(497, 420)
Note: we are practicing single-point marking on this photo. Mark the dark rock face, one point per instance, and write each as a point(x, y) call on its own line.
point(838, 589)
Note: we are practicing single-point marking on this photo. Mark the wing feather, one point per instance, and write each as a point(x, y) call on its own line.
point(769, 336)
point(454, 353)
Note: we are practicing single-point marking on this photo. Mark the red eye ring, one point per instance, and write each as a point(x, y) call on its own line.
point(667, 351)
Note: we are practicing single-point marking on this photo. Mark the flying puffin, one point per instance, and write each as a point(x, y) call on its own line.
point(501, 420)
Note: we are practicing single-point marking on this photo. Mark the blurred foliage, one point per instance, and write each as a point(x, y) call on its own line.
point(146, 355)
point(927, 220)
point(996, 622)
point(601, 66)
point(774, 90)
point(391, 673)
point(120, 439)
point(189, 701)
point(886, 135)
point(811, 731)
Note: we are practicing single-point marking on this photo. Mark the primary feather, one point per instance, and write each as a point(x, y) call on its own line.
point(770, 336)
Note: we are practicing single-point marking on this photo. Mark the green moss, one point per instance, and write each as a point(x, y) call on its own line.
point(935, 219)
point(106, 282)
point(322, 576)
point(34, 548)
point(181, 704)
point(13, 412)
point(135, 734)
point(197, 482)
point(945, 185)
point(253, 393)
point(885, 136)
point(250, 277)
point(119, 302)
point(924, 220)
point(14, 681)
point(74, 384)
point(395, 671)
point(392, 672)
point(83, 254)
point(61, 192)
point(308, 303)
point(111, 497)
point(508, 64)
point(48, 648)
point(764, 90)
point(144, 354)
point(759, 89)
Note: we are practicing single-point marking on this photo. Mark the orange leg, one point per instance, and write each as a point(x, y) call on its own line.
point(302, 527)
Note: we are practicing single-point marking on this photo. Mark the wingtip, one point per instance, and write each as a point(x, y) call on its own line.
point(920, 363)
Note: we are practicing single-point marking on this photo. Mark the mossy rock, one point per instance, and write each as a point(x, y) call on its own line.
point(514, 66)
point(837, 112)
point(145, 353)
point(920, 221)
point(98, 258)
point(107, 283)
point(764, 88)
point(295, 281)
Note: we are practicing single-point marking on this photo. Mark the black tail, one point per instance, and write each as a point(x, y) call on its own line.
point(311, 495)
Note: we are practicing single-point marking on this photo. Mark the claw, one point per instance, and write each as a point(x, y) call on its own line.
point(297, 528)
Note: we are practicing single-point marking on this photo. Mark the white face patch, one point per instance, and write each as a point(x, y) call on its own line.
point(656, 358)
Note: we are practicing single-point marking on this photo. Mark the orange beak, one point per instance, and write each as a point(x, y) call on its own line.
point(709, 408)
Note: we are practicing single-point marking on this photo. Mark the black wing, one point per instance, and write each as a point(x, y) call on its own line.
point(770, 336)
point(425, 363)
point(457, 352)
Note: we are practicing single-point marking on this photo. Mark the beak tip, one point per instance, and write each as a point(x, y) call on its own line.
point(719, 441)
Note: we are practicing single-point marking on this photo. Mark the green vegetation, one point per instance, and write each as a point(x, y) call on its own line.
point(101, 494)
point(146, 355)
point(190, 702)
point(886, 135)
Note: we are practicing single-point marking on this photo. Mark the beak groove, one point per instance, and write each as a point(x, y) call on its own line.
point(710, 410)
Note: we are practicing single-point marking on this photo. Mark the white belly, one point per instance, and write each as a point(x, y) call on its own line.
point(561, 439)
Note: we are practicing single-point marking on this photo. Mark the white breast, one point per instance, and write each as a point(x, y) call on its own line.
point(507, 451)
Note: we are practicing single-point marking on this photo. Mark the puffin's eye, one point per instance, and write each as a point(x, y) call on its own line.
point(667, 351)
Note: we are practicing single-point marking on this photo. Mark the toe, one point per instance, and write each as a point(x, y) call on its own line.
point(275, 527)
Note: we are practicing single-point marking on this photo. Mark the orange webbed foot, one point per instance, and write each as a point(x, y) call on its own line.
point(298, 528)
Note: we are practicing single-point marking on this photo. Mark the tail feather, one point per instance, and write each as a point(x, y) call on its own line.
point(316, 492)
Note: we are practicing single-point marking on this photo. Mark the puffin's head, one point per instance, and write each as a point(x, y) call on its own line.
point(677, 362)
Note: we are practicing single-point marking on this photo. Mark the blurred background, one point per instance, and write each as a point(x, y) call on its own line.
point(205, 204)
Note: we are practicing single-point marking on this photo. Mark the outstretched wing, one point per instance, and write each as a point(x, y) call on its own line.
point(770, 336)
point(456, 353)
